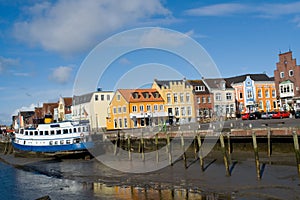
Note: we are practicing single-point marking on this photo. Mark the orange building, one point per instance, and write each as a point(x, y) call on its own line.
point(135, 108)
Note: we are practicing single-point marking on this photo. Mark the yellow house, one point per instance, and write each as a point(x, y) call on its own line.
point(135, 108)
point(179, 100)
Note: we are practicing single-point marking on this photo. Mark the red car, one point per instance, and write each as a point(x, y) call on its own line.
point(245, 116)
point(280, 115)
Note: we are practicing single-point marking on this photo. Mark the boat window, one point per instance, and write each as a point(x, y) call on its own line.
point(65, 131)
point(61, 142)
point(68, 142)
point(36, 132)
point(83, 129)
point(46, 132)
point(52, 132)
point(26, 132)
point(70, 130)
point(51, 142)
point(41, 132)
point(77, 140)
point(79, 129)
point(22, 131)
point(74, 130)
point(31, 133)
point(58, 132)
point(87, 128)
point(56, 142)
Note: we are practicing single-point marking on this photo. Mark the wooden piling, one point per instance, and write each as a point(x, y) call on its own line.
point(256, 156)
point(183, 150)
point(129, 147)
point(169, 149)
point(200, 152)
point(229, 147)
point(225, 155)
point(297, 152)
point(142, 146)
point(156, 147)
point(269, 143)
point(116, 146)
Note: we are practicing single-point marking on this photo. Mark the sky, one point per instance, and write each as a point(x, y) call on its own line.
point(43, 44)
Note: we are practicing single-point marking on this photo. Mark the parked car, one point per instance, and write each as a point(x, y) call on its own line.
point(267, 115)
point(280, 115)
point(245, 116)
point(255, 115)
point(297, 114)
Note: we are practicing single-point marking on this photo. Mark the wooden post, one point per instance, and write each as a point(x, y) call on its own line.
point(229, 147)
point(225, 156)
point(156, 147)
point(297, 152)
point(269, 143)
point(183, 151)
point(256, 156)
point(142, 146)
point(116, 146)
point(195, 146)
point(200, 153)
point(129, 147)
point(169, 149)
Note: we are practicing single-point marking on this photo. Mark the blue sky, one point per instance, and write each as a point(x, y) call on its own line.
point(43, 43)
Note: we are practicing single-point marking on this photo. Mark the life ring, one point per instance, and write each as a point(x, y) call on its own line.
point(81, 134)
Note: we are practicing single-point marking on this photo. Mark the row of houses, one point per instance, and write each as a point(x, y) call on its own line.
point(180, 101)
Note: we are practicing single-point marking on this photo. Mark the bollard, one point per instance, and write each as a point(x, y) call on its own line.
point(200, 153)
point(225, 156)
point(256, 156)
point(297, 152)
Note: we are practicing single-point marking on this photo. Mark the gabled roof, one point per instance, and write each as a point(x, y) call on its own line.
point(162, 83)
point(141, 95)
point(68, 101)
point(215, 83)
point(198, 83)
point(85, 98)
point(242, 78)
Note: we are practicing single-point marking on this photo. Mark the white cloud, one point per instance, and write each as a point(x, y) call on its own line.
point(61, 74)
point(25, 108)
point(6, 63)
point(217, 10)
point(70, 26)
point(161, 37)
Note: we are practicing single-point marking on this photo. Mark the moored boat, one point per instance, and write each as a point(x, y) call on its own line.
point(54, 138)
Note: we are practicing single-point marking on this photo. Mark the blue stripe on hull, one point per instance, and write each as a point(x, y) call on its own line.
point(54, 148)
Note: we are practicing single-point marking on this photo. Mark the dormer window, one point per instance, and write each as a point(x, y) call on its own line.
point(291, 73)
point(146, 95)
point(135, 95)
point(281, 74)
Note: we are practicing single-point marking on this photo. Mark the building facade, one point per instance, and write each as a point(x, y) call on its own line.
point(92, 108)
point(287, 82)
point(254, 92)
point(136, 108)
point(203, 100)
point(179, 100)
point(223, 97)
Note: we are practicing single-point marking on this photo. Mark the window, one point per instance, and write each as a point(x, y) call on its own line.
point(182, 111)
point(259, 93)
point(267, 94)
point(203, 100)
point(208, 100)
point(141, 108)
point(274, 104)
point(188, 97)
point(134, 109)
point(218, 97)
point(281, 74)
point(249, 94)
point(58, 132)
point(291, 73)
point(181, 97)
point(108, 97)
point(120, 123)
point(176, 111)
point(124, 109)
point(102, 97)
point(96, 97)
point(119, 109)
point(155, 107)
point(241, 95)
point(175, 98)
point(142, 122)
point(198, 100)
point(168, 98)
point(134, 122)
point(148, 108)
point(114, 110)
point(189, 111)
point(199, 88)
point(261, 106)
point(273, 93)
point(115, 123)
point(118, 97)
point(228, 96)
point(125, 122)
point(161, 107)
